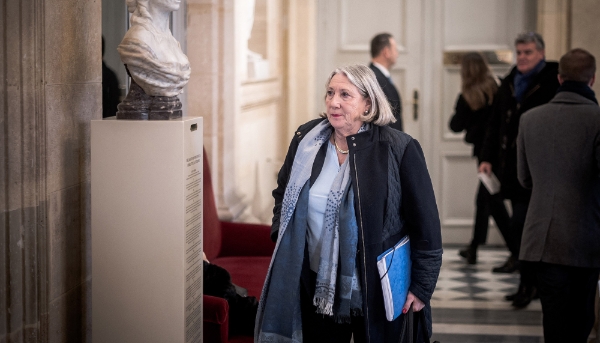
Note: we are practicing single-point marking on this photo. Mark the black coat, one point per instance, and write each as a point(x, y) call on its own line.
point(473, 122)
point(392, 95)
point(383, 219)
point(500, 144)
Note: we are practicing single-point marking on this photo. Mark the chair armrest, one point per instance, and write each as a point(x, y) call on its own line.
point(242, 239)
point(215, 319)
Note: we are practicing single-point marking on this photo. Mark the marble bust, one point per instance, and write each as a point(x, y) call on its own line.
point(154, 60)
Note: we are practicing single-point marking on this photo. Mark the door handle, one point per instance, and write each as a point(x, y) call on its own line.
point(416, 104)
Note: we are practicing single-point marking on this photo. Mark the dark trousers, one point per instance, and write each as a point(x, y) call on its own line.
point(486, 205)
point(321, 328)
point(567, 295)
point(517, 223)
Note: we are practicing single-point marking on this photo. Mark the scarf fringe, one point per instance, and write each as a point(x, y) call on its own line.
point(345, 319)
point(342, 319)
point(356, 312)
point(323, 307)
point(327, 309)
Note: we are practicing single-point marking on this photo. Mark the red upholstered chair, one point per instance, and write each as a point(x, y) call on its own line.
point(242, 249)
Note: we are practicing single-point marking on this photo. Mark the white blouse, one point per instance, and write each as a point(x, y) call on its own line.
point(317, 202)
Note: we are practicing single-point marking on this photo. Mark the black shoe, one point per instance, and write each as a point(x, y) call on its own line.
point(470, 253)
point(511, 265)
point(524, 296)
point(511, 297)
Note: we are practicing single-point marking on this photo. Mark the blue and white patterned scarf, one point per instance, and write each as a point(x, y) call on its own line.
point(338, 295)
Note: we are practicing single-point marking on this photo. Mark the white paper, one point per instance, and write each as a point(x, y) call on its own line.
point(490, 182)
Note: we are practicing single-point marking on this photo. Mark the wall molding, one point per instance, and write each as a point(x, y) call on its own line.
point(343, 46)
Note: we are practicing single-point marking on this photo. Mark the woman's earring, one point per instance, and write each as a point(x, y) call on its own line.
point(366, 111)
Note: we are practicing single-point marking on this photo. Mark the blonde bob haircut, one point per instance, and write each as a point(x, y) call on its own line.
point(364, 79)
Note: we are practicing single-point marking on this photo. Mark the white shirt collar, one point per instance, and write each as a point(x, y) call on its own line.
point(383, 69)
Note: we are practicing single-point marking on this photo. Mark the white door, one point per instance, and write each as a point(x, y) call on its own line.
point(344, 32)
point(489, 26)
point(426, 31)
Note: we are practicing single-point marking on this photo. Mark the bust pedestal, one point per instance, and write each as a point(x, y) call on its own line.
point(147, 230)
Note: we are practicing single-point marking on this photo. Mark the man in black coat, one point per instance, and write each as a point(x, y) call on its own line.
point(531, 83)
point(384, 54)
point(559, 159)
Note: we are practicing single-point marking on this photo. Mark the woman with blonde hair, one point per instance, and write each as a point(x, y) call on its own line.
point(350, 188)
point(473, 109)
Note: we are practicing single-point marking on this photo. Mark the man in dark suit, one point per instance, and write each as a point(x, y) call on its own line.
point(559, 159)
point(531, 83)
point(383, 56)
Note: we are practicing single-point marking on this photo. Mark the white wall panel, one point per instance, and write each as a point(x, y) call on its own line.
point(459, 172)
point(476, 23)
point(485, 24)
point(359, 19)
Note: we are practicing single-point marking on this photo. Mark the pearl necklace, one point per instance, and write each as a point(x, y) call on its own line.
point(345, 152)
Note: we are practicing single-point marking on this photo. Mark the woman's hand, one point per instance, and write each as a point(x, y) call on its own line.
point(416, 302)
point(485, 167)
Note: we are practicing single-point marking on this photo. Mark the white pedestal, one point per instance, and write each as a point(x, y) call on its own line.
point(147, 230)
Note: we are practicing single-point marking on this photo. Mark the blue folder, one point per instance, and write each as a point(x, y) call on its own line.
point(394, 267)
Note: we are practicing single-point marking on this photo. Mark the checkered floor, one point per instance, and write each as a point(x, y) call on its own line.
point(468, 303)
point(460, 282)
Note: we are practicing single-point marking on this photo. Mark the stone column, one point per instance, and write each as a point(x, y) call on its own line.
point(51, 72)
point(22, 173)
point(213, 92)
point(301, 65)
point(568, 24)
point(553, 25)
point(584, 21)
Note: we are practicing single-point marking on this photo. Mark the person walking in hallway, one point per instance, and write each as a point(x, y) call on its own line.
point(384, 54)
point(471, 114)
point(531, 83)
point(559, 159)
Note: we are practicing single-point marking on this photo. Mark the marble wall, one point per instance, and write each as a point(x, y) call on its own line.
point(51, 68)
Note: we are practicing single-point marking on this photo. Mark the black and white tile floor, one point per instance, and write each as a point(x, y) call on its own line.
point(468, 304)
